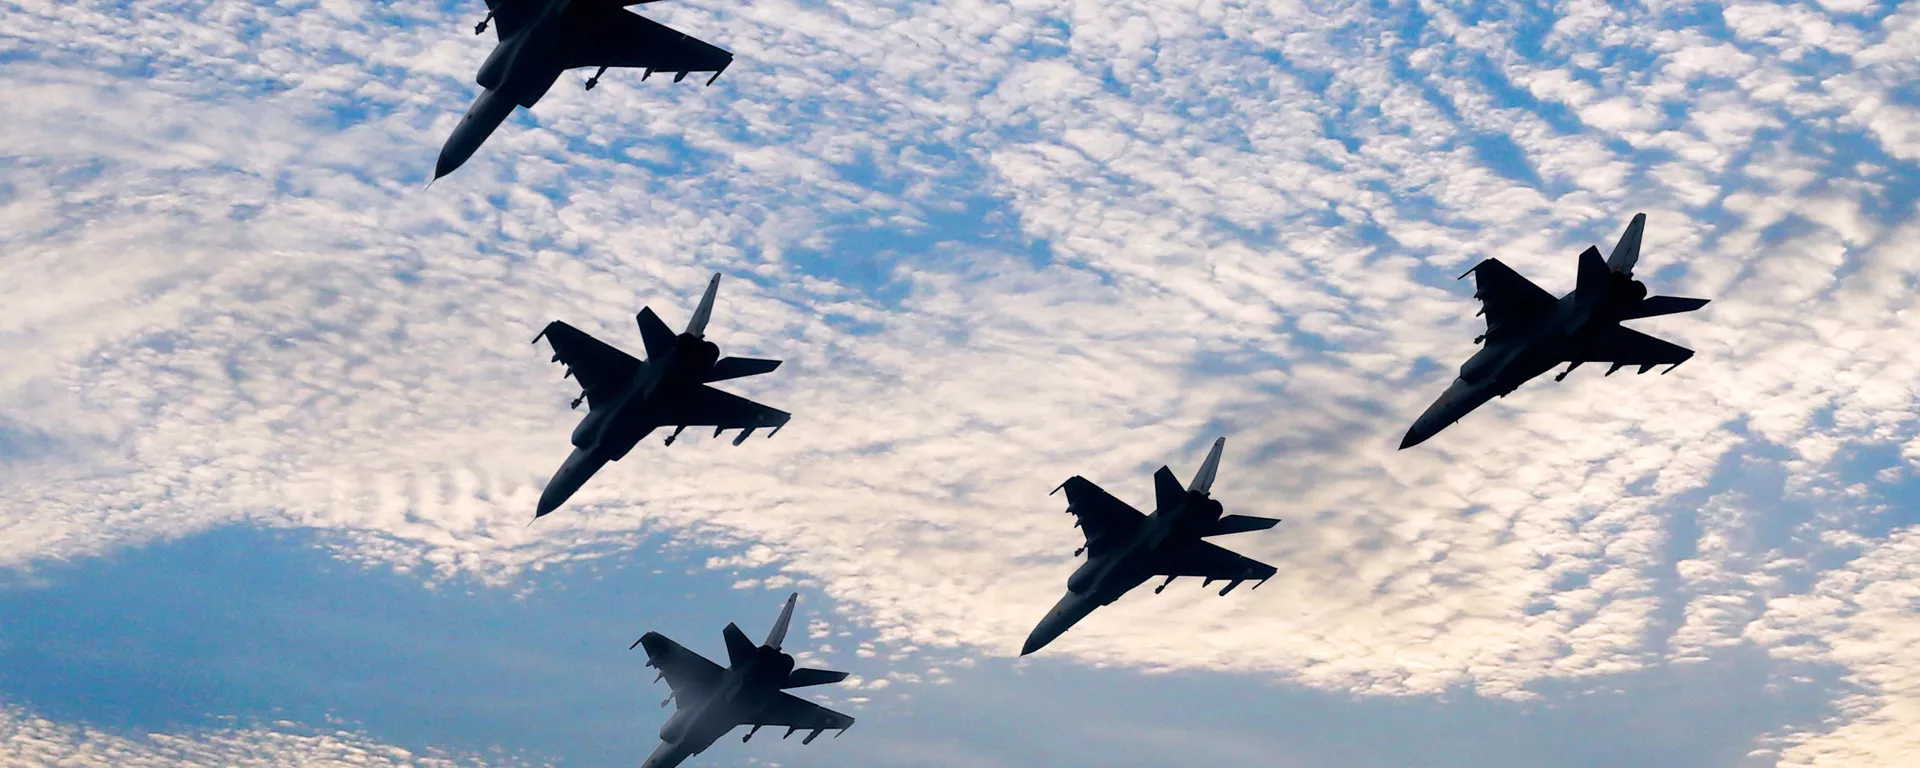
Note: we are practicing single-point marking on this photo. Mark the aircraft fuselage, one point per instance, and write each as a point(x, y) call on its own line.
point(743, 693)
point(1502, 366)
point(615, 425)
point(518, 72)
point(1166, 536)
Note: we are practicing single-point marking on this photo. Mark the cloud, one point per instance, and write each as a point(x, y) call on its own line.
point(27, 739)
point(998, 245)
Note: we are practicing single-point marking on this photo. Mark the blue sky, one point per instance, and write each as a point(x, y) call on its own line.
point(270, 429)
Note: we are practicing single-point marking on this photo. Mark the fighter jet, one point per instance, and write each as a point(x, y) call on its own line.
point(541, 38)
point(1125, 548)
point(628, 399)
point(713, 700)
point(1529, 331)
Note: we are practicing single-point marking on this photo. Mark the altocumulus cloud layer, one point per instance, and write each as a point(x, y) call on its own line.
point(26, 740)
point(1000, 244)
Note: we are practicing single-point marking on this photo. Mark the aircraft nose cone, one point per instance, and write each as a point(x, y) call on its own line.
point(443, 167)
point(1414, 437)
point(1422, 429)
point(1437, 416)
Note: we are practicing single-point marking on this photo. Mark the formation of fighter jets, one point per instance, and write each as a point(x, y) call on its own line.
point(1529, 332)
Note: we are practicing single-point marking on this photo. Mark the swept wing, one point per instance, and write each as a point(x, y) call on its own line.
point(1108, 522)
point(604, 36)
point(794, 712)
point(1624, 347)
point(690, 675)
point(1508, 300)
point(709, 407)
point(600, 369)
point(511, 16)
point(1210, 561)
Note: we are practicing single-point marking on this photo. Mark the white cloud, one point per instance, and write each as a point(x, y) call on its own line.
point(30, 741)
point(224, 309)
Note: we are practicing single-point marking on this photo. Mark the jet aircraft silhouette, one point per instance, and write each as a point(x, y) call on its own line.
point(748, 691)
point(539, 39)
point(1125, 548)
point(628, 399)
point(1529, 331)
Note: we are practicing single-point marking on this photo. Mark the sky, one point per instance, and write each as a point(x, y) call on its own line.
point(271, 430)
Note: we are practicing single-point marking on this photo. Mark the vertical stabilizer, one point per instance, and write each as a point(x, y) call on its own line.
point(1595, 277)
point(698, 325)
point(778, 634)
point(740, 650)
point(1203, 480)
point(655, 333)
point(1167, 492)
point(1626, 253)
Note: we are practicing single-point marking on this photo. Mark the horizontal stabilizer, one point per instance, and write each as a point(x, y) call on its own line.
point(802, 678)
point(1655, 306)
point(1240, 524)
point(740, 650)
point(738, 367)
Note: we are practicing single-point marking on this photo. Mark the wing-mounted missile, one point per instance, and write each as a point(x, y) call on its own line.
point(1230, 586)
point(811, 736)
point(744, 434)
point(679, 76)
point(1614, 367)
point(751, 732)
point(790, 730)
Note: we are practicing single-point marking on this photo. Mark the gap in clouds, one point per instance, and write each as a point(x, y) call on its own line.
point(248, 625)
point(242, 625)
